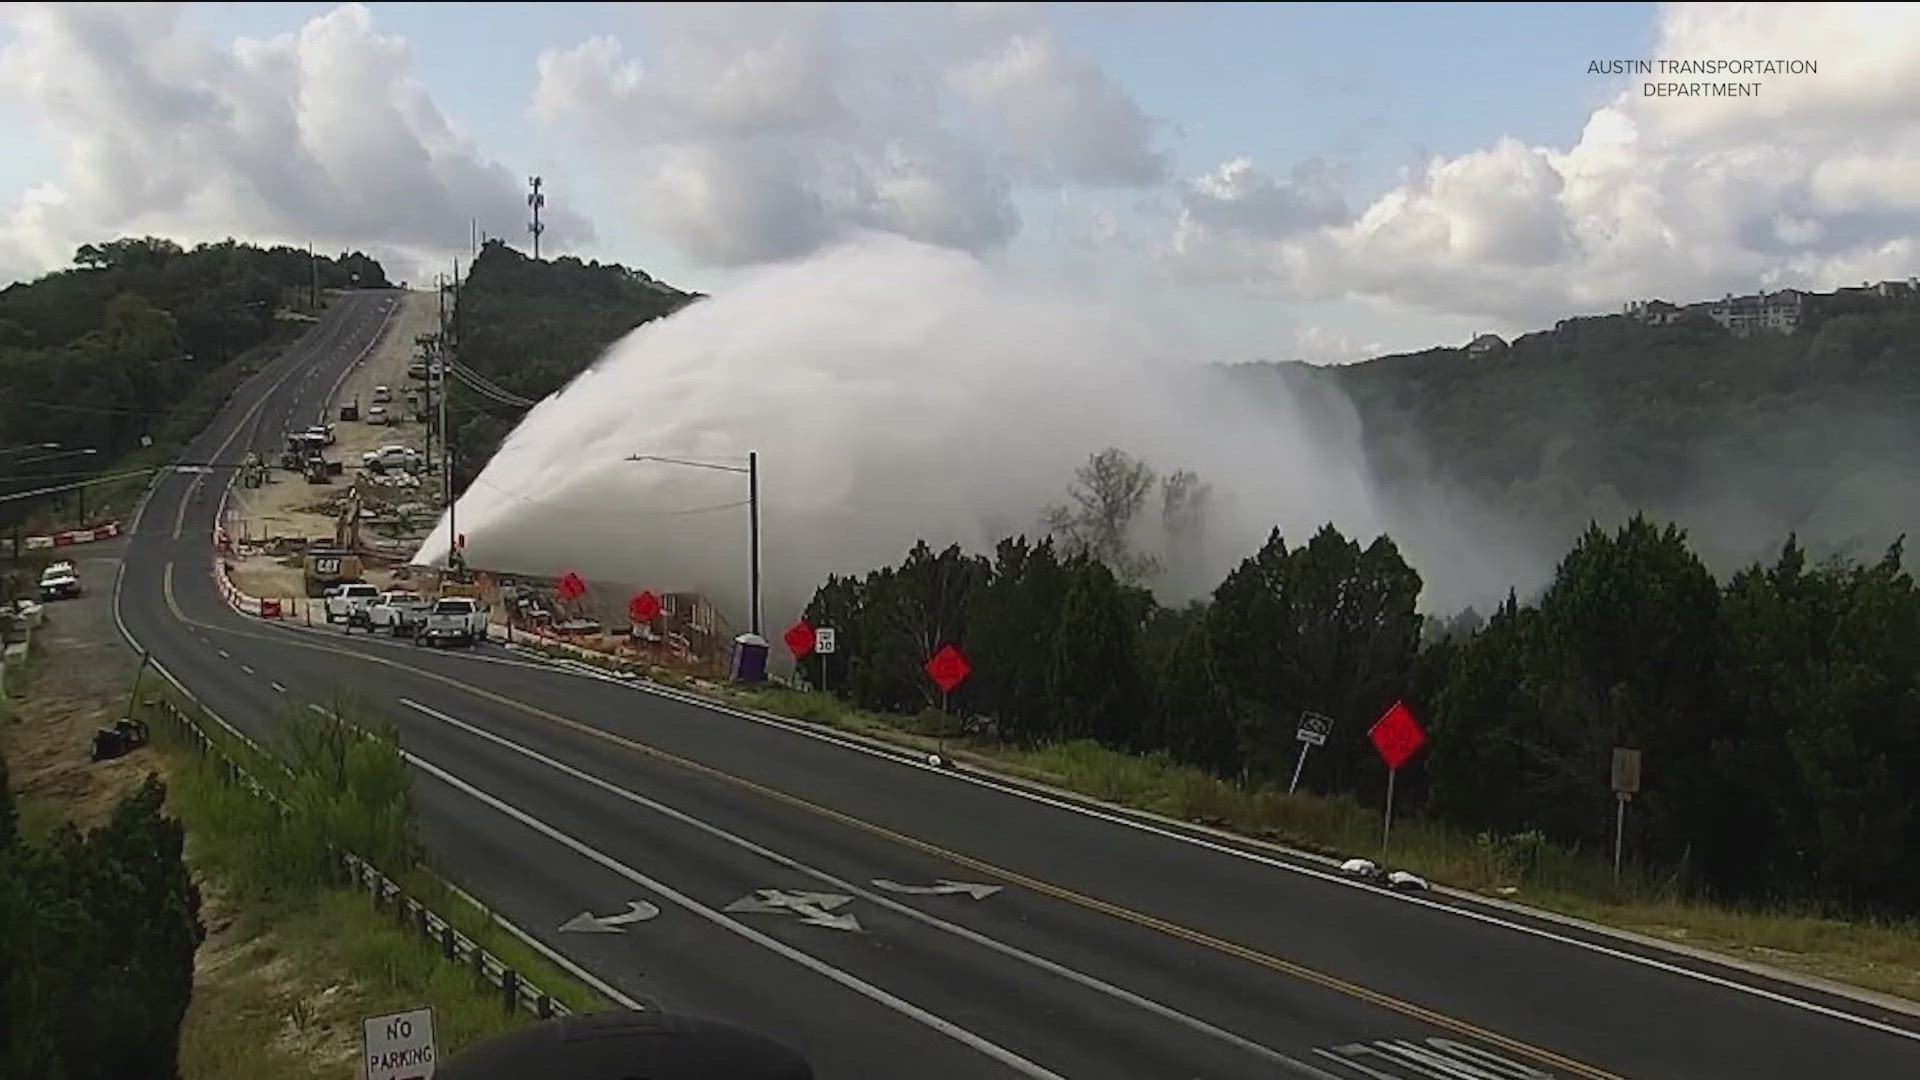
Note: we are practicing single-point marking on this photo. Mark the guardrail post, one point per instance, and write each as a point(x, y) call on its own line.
point(543, 1006)
point(510, 988)
point(447, 943)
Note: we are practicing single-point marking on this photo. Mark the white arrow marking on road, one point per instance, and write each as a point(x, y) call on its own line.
point(588, 923)
point(943, 887)
point(812, 907)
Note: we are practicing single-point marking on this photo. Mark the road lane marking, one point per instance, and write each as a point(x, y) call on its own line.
point(180, 516)
point(588, 923)
point(726, 922)
point(278, 687)
point(814, 909)
point(1125, 817)
point(1275, 963)
point(248, 668)
point(1440, 1059)
point(225, 655)
point(1312, 975)
point(1082, 979)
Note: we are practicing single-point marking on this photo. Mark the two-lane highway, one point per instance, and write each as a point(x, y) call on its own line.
point(888, 919)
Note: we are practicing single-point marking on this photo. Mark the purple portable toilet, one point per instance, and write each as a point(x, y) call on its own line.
point(750, 659)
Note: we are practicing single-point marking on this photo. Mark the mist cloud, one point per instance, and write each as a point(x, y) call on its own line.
point(895, 391)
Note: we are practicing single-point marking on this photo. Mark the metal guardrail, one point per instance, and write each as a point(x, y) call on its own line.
point(517, 992)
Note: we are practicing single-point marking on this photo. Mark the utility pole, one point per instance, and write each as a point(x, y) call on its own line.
point(446, 437)
point(753, 517)
point(536, 201)
point(313, 263)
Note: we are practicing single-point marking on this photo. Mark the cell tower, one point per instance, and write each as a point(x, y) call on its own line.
point(536, 201)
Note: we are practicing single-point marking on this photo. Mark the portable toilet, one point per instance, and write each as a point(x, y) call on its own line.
point(749, 659)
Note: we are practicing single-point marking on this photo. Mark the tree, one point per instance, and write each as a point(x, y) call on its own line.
point(1328, 627)
point(101, 925)
point(1107, 495)
point(1093, 680)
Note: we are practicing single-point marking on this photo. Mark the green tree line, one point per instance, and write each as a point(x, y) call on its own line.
point(1778, 712)
point(107, 353)
point(1744, 439)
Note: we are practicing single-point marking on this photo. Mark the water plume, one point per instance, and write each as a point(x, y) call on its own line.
point(893, 391)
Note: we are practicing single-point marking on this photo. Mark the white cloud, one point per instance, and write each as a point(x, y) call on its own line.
point(1059, 115)
point(1814, 182)
point(322, 134)
point(750, 134)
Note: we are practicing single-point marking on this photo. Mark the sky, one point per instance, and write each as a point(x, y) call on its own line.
point(1319, 182)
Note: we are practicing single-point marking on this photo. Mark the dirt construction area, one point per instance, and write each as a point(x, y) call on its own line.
point(394, 510)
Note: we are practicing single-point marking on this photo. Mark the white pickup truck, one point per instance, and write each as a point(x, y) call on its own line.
point(458, 619)
point(348, 600)
point(399, 612)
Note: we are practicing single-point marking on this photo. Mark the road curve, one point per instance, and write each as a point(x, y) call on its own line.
point(892, 920)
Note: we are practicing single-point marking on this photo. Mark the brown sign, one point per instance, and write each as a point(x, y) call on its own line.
point(1626, 771)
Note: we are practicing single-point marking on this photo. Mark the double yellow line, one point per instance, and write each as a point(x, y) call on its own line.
point(1266, 960)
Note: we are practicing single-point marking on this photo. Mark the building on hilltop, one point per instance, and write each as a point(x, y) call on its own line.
point(1654, 312)
point(1777, 313)
point(1487, 345)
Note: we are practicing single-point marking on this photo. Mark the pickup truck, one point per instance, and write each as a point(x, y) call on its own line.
point(460, 619)
point(59, 581)
point(348, 600)
point(400, 613)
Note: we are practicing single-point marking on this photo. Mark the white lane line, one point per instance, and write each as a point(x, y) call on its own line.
point(1090, 982)
point(248, 668)
point(613, 993)
point(1008, 788)
point(278, 687)
point(852, 982)
point(225, 655)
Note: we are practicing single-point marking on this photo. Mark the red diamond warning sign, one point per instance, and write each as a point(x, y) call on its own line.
point(948, 668)
point(1397, 736)
point(799, 639)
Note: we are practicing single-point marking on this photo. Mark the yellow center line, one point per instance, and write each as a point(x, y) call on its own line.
point(1047, 888)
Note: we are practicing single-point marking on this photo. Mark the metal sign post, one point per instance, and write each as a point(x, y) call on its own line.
point(1626, 784)
point(824, 643)
point(1312, 732)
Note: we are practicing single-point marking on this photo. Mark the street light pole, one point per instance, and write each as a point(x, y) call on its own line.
point(753, 517)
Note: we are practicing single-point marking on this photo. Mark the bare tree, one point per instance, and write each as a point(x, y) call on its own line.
point(1183, 505)
point(1108, 493)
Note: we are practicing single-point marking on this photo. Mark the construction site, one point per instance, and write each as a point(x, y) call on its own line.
point(352, 499)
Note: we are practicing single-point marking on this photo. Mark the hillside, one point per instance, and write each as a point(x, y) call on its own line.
point(1741, 440)
point(140, 340)
point(530, 327)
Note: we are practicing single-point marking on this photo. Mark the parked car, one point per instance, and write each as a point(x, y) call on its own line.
point(392, 456)
point(398, 612)
point(461, 620)
point(346, 601)
point(59, 581)
point(377, 414)
point(382, 394)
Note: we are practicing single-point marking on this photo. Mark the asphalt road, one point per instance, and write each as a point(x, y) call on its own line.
point(823, 892)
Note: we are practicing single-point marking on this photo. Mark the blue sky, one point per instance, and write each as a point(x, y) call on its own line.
point(1455, 191)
